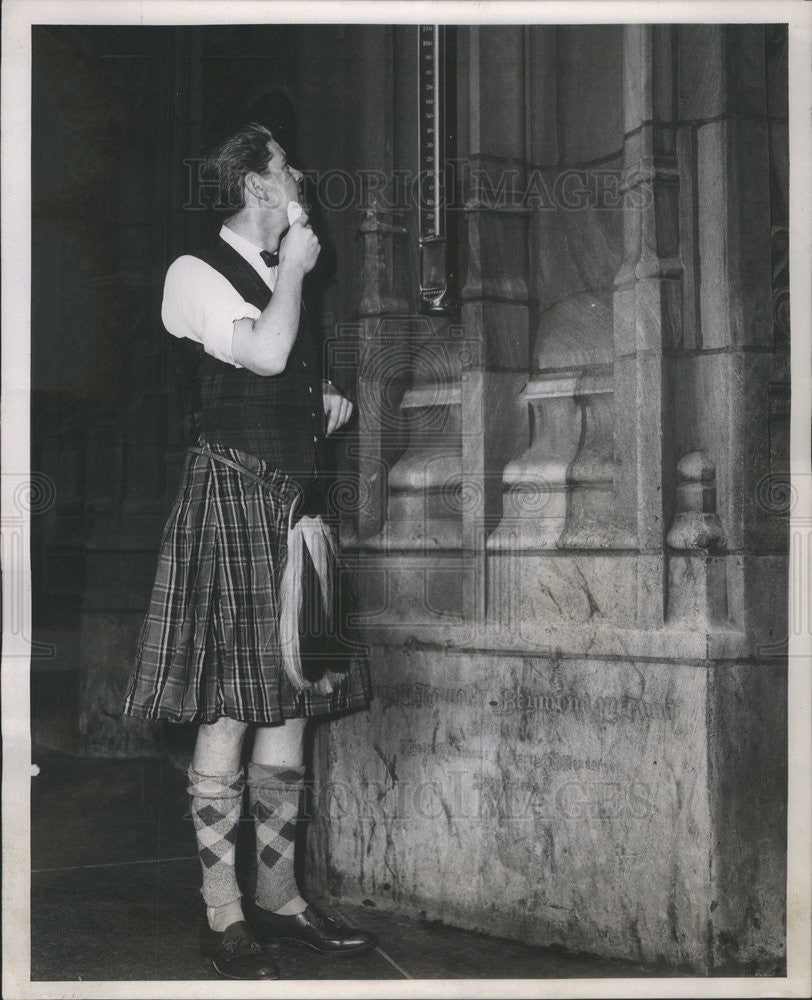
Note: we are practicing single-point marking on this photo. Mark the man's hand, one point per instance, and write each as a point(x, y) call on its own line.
point(299, 247)
point(263, 345)
point(337, 408)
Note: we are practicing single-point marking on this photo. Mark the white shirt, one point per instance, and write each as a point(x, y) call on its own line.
point(201, 304)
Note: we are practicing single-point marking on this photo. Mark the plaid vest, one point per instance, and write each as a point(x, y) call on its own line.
point(277, 418)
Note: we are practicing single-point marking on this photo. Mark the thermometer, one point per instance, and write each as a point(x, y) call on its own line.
point(434, 106)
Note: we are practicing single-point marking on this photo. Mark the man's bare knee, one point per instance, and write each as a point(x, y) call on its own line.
point(218, 746)
point(280, 746)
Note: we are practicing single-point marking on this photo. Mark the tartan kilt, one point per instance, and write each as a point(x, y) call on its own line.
point(209, 645)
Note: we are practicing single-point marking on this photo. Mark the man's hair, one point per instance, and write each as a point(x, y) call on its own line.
point(243, 151)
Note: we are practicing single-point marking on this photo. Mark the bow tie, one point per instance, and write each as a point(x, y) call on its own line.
point(271, 259)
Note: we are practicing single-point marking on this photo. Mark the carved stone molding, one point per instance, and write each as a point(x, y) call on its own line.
point(697, 574)
point(571, 434)
point(696, 524)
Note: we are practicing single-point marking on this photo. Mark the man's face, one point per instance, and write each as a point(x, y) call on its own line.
point(282, 182)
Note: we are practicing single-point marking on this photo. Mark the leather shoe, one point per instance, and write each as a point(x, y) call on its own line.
point(236, 953)
point(311, 928)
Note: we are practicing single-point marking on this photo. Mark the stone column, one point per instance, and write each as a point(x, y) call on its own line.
point(647, 303)
point(735, 371)
point(736, 365)
point(495, 295)
point(383, 371)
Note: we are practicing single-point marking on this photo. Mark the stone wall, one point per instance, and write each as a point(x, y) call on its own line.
point(579, 734)
point(561, 800)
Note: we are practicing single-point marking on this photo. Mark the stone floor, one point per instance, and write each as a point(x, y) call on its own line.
point(114, 895)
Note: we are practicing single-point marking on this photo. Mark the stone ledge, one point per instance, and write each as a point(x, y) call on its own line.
point(536, 639)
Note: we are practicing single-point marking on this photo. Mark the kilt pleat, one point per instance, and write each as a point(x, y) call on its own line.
point(209, 644)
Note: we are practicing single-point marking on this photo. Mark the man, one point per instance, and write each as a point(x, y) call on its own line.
point(223, 643)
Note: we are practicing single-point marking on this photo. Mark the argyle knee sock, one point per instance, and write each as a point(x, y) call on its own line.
point(216, 801)
point(273, 795)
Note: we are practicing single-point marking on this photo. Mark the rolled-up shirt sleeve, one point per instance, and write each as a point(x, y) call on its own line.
point(201, 304)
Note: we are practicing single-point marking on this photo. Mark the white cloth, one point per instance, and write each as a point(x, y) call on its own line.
point(311, 533)
point(203, 305)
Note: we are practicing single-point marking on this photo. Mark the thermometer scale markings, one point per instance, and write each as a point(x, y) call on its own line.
point(433, 107)
point(431, 130)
